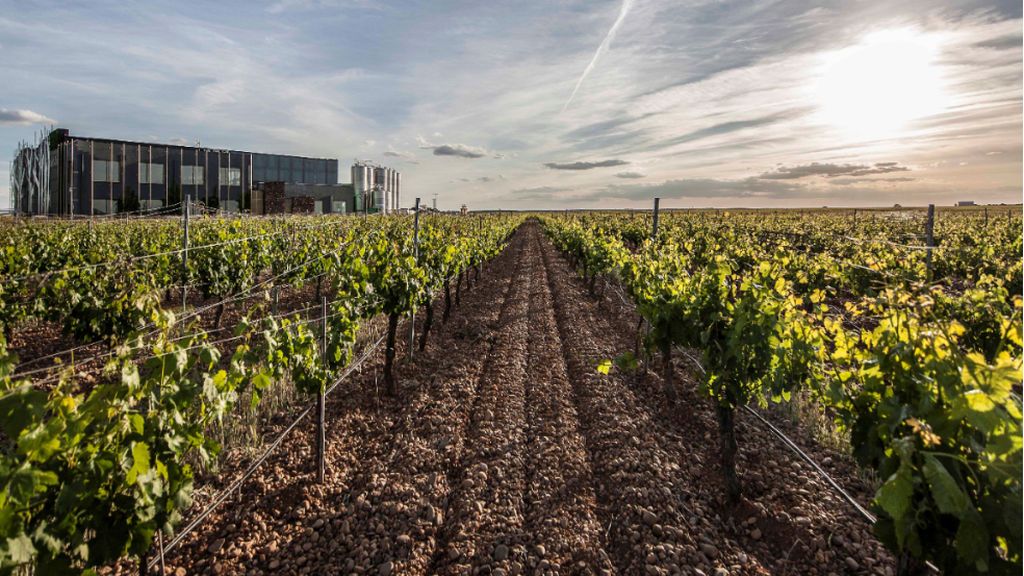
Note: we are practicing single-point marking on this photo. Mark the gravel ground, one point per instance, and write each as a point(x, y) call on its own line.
point(506, 452)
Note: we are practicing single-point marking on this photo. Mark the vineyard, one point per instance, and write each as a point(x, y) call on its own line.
point(699, 392)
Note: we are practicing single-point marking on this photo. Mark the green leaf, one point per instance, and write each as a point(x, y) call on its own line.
point(946, 492)
point(972, 540)
point(140, 461)
point(895, 494)
point(20, 549)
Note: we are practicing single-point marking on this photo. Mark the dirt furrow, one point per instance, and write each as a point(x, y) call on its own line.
point(643, 506)
point(484, 516)
point(391, 516)
point(561, 508)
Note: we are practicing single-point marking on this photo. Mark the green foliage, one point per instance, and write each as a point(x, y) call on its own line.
point(924, 377)
point(89, 473)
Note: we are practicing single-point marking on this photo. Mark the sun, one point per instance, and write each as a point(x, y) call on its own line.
point(876, 88)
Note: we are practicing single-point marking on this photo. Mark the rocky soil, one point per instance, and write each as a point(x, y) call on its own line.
point(505, 452)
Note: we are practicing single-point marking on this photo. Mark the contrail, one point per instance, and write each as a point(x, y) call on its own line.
point(626, 5)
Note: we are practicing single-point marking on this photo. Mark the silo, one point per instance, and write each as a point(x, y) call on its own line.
point(362, 183)
point(398, 189)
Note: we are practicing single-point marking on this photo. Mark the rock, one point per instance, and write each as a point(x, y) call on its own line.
point(851, 563)
point(180, 571)
point(216, 546)
point(755, 534)
point(721, 571)
point(404, 539)
point(274, 564)
point(539, 549)
point(319, 522)
point(500, 552)
point(709, 550)
point(649, 517)
point(386, 568)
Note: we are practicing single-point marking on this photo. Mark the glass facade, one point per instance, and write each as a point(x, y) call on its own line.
point(294, 169)
point(106, 171)
point(89, 175)
point(151, 173)
point(192, 175)
point(230, 177)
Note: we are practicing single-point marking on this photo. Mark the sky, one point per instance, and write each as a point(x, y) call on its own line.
point(551, 104)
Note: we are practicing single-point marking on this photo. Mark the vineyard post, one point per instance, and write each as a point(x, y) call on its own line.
point(321, 438)
point(416, 256)
point(986, 216)
point(184, 252)
point(929, 232)
point(654, 225)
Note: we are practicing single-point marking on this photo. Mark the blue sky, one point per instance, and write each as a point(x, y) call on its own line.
point(708, 103)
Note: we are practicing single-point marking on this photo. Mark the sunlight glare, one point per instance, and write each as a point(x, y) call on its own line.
point(874, 89)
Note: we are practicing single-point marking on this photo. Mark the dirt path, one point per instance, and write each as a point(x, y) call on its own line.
point(506, 452)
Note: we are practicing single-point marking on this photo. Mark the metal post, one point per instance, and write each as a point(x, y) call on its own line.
point(416, 256)
point(184, 252)
point(929, 231)
point(321, 438)
point(654, 226)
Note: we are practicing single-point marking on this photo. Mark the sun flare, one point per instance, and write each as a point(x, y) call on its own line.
point(877, 87)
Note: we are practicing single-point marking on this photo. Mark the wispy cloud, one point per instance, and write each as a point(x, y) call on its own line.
point(585, 165)
point(709, 96)
point(851, 181)
point(601, 49)
point(703, 188)
point(829, 170)
point(23, 117)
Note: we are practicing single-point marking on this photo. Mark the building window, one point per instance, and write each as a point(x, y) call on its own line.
point(192, 175)
point(230, 177)
point(151, 173)
point(106, 171)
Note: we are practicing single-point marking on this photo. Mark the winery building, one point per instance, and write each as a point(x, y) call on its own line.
point(63, 174)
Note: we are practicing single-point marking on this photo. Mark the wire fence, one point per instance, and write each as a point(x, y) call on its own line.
point(236, 485)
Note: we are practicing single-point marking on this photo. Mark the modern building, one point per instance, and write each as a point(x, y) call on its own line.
point(377, 188)
point(64, 174)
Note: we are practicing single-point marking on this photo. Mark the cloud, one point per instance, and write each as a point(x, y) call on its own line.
point(601, 49)
point(392, 153)
point(459, 150)
point(23, 117)
point(702, 188)
point(830, 170)
point(537, 193)
point(849, 181)
point(585, 165)
point(630, 175)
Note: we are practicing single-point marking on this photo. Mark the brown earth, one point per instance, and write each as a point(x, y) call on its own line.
point(504, 451)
